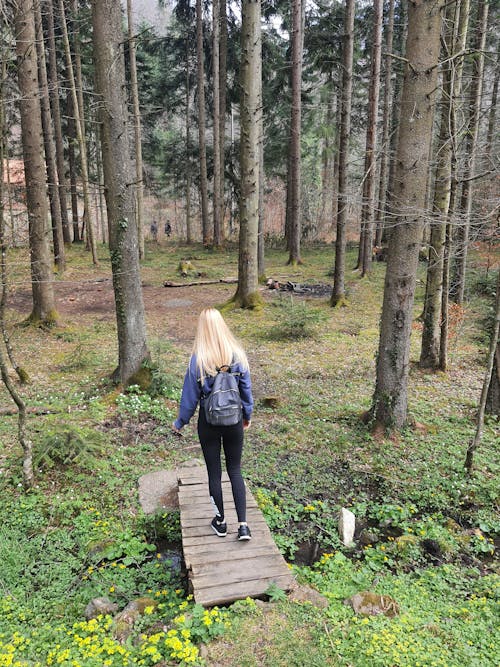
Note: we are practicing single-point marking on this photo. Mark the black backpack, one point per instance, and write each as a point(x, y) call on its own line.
point(223, 403)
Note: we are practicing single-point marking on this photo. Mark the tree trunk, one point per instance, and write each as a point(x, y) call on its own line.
point(189, 237)
point(80, 127)
point(202, 123)
point(476, 92)
point(490, 135)
point(247, 294)
point(222, 104)
point(261, 240)
point(49, 145)
point(44, 310)
point(326, 155)
point(295, 134)
point(118, 177)
point(338, 292)
point(56, 119)
point(367, 210)
point(386, 124)
point(21, 373)
point(492, 356)
point(457, 70)
point(431, 332)
point(100, 183)
point(217, 203)
point(389, 407)
point(139, 185)
point(72, 141)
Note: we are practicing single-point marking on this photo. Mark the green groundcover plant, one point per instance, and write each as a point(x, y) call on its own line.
point(441, 622)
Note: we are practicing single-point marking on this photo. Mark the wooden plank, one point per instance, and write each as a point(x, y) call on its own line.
point(223, 551)
point(225, 570)
point(222, 557)
point(209, 597)
point(205, 531)
point(233, 576)
point(197, 519)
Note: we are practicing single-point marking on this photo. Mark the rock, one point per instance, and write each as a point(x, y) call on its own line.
point(367, 603)
point(158, 490)
point(366, 537)
point(271, 402)
point(302, 593)
point(433, 548)
point(347, 525)
point(99, 606)
point(262, 604)
point(124, 621)
point(186, 268)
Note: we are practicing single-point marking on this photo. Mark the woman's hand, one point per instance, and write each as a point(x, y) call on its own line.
point(176, 430)
point(246, 424)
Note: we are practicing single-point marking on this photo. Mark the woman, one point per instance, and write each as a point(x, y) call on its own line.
point(216, 348)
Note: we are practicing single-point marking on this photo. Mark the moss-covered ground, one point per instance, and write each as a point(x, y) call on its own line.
point(426, 533)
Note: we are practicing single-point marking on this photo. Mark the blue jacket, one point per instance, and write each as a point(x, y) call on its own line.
point(192, 391)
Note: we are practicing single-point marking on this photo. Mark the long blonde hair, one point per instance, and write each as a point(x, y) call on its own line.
point(214, 344)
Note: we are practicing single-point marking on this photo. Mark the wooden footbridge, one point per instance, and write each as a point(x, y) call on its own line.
point(222, 569)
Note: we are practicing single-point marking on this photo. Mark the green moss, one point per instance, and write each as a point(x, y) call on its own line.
point(142, 378)
point(23, 375)
point(253, 301)
point(339, 302)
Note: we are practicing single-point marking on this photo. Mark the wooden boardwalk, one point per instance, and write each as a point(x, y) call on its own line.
point(222, 569)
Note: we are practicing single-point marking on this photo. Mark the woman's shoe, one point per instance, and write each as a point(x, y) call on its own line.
point(219, 527)
point(244, 533)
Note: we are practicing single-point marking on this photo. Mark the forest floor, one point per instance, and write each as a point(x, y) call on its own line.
point(426, 534)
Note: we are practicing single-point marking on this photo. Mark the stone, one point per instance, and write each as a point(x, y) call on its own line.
point(125, 620)
point(301, 593)
point(367, 603)
point(347, 525)
point(366, 537)
point(99, 606)
point(158, 490)
point(271, 402)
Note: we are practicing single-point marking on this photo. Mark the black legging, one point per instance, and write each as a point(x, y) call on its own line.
point(231, 438)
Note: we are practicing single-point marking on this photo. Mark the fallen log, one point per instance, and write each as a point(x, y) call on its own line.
point(227, 281)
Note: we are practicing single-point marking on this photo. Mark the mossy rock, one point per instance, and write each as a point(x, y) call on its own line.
point(368, 603)
point(187, 268)
point(271, 402)
point(405, 542)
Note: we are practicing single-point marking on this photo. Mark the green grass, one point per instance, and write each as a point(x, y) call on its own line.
point(79, 533)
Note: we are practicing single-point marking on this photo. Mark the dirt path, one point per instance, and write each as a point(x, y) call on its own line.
point(173, 309)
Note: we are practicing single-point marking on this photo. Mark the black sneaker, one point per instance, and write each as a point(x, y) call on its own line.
point(244, 533)
point(219, 527)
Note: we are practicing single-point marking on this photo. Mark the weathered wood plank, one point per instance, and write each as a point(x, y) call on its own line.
point(224, 556)
point(232, 569)
point(233, 576)
point(195, 519)
point(214, 595)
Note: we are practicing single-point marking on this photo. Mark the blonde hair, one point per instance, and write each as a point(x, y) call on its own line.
point(214, 344)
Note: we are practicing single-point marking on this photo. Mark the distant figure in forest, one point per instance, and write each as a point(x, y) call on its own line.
point(168, 229)
point(154, 230)
point(216, 351)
